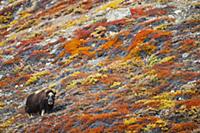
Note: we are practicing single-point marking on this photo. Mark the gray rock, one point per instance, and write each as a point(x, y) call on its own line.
point(118, 14)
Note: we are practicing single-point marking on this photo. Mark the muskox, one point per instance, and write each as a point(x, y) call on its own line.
point(40, 102)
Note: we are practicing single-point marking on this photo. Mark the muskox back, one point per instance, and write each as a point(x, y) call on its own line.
point(38, 102)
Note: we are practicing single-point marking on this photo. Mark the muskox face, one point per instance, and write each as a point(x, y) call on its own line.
point(50, 97)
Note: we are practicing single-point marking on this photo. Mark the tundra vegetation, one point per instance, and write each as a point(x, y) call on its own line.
point(117, 65)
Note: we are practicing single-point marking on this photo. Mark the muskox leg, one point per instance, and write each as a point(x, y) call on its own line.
point(31, 116)
point(42, 113)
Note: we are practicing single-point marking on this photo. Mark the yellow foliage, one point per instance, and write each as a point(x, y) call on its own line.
point(13, 22)
point(7, 123)
point(1, 105)
point(130, 121)
point(151, 75)
point(2, 44)
point(24, 14)
point(73, 84)
point(12, 37)
point(36, 77)
point(166, 96)
point(76, 21)
point(75, 73)
point(115, 84)
point(163, 1)
point(166, 104)
point(11, 1)
point(152, 60)
point(112, 4)
point(159, 123)
point(70, 59)
point(4, 19)
point(163, 103)
point(166, 59)
point(162, 27)
point(2, 26)
point(52, 85)
point(93, 79)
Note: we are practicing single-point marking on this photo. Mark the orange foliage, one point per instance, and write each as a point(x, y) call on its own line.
point(39, 53)
point(158, 89)
point(138, 105)
point(73, 130)
point(122, 108)
point(156, 11)
point(110, 79)
point(140, 37)
point(138, 12)
point(163, 73)
point(95, 130)
point(186, 75)
point(187, 45)
point(72, 46)
point(165, 69)
point(147, 119)
point(76, 46)
point(190, 103)
point(159, 34)
point(115, 42)
point(82, 33)
point(89, 118)
point(55, 9)
point(87, 4)
point(187, 126)
point(136, 127)
point(146, 11)
point(33, 40)
point(118, 128)
point(135, 47)
point(166, 48)
point(3, 83)
point(12, 61)
point(17, 79)
point(148, 22)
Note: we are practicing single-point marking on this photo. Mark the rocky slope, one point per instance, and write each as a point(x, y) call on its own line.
point(117, 65)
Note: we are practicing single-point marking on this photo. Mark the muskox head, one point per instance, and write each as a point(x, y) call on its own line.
point(50, 95)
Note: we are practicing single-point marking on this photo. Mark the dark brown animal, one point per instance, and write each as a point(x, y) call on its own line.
point(40, 102)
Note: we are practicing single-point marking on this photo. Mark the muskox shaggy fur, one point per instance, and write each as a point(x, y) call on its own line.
point(40, 102)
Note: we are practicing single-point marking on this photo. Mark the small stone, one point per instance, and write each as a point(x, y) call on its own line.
point(93, 45)
point(185, 55)
point(118, 14)
point(1, 76)
point(180, 98)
